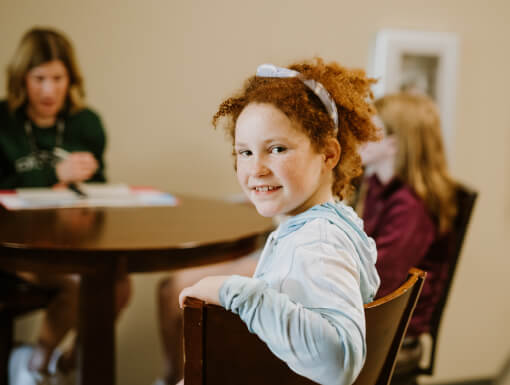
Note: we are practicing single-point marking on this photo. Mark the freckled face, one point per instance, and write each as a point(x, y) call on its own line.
point(277, 166)
point(47, 86)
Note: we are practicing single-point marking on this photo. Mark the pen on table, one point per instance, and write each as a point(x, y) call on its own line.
point(62, 154)
point(74, 187)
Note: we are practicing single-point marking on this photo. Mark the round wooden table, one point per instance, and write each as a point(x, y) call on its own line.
point(100, 243)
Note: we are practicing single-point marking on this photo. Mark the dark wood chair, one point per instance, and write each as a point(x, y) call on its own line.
point(446, 249)
point(219, 349)
point(17, 297)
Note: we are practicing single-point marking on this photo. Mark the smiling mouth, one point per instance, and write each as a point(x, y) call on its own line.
point(266, 188)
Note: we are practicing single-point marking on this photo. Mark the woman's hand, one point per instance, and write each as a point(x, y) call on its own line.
point(77, 167)
point(207, 289)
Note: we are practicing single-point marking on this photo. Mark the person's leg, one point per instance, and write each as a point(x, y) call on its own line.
point(123, 293)
point(170, 315)
point(61, 316)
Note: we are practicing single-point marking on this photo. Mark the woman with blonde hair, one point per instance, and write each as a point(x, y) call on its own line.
point(408, 198)
point(48, 137)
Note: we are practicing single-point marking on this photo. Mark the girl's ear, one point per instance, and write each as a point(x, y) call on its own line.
point(331, 153)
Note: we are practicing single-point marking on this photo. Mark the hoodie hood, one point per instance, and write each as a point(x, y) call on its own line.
point(348, 221)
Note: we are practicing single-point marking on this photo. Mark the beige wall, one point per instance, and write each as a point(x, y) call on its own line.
point(156, 70)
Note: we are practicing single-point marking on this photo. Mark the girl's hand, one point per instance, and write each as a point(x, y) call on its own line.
point(207, 289)
point(77, 167)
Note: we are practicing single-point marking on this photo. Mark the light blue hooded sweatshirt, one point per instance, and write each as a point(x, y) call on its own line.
point(305, 300)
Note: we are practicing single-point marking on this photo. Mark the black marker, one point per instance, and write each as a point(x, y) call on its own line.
point(74, 187)
point(62, 154)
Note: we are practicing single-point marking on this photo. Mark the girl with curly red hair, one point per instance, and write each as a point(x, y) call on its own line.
point(295, 133)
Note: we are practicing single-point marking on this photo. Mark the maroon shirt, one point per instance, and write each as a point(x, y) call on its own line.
point(403, 232)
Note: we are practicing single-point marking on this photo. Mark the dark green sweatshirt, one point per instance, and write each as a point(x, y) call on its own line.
point(83, 132)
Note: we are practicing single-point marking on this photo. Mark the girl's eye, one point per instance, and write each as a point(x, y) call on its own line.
point(244, 153)
point(277, 149)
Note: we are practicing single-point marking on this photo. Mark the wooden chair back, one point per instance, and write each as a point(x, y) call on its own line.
point(448, 248)
point(219, 349)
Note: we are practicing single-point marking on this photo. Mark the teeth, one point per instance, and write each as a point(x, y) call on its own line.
point(265, 188)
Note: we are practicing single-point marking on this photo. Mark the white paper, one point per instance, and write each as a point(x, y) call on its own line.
point(97, 195)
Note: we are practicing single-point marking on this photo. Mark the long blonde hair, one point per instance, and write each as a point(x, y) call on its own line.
point(420, 160)
point(38, 46)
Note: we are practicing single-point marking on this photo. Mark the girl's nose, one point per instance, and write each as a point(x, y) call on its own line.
point(259, 167)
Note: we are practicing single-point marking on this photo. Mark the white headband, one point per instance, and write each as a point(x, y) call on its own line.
point(272, 71)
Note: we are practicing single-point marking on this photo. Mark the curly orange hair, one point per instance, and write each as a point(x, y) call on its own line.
point(350, 90)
